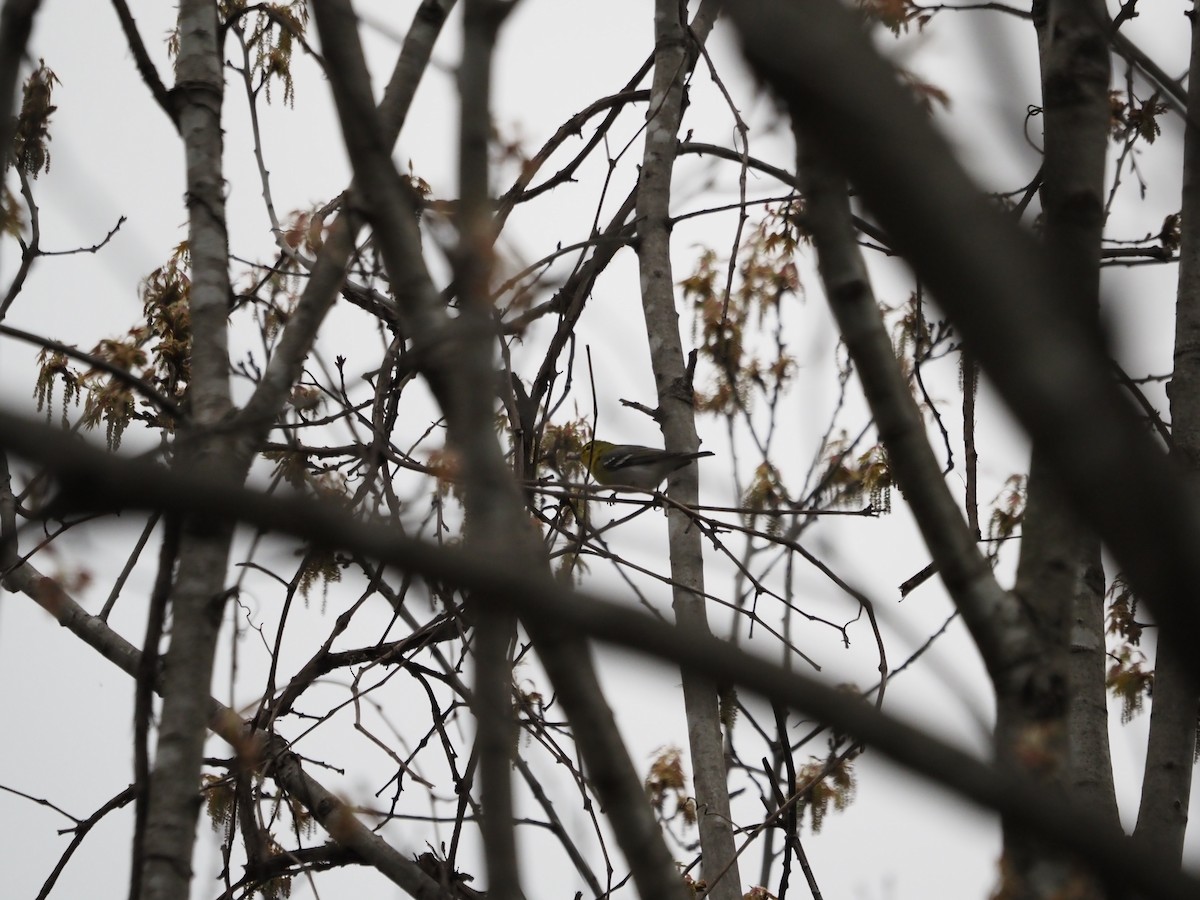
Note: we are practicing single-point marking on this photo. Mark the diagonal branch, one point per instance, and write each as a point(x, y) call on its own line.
point(96, 479)
point(329, 270)
point(270, 751)
point(992, 616)
point(145, 65)
point(142, 386)
point(998, 287)
point(16, 23)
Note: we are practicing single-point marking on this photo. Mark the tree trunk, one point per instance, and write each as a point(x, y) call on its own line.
point(198, 594)
point(1170, 752)
point(1058, 729)
point(677, 419)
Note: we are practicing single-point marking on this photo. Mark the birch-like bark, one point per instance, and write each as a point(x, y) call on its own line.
point(1167, 779)
point(1060, 558)
point(197, 595)
point(1059, 575)
point(677, 420)
point(200, 92)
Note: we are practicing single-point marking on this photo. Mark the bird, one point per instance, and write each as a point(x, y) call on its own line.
point(633, 466)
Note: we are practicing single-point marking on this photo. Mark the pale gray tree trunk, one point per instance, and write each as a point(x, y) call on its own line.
point(1060, 573)
point(677, 420)
point(198, 593)
point(1170, 751)
point(1059, 733)
point(198, 590)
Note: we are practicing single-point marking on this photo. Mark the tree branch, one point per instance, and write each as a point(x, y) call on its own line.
point(1171, 744)
point(440, 355)
point(998, 287)
point(197, 594)
point(91, 479)
point(16, 23)
point(674, 59)
point(145, 65)
point(269, 752)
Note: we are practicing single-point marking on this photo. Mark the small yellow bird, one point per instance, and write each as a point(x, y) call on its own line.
point(628, 465)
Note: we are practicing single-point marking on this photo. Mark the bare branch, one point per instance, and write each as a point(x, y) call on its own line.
point(145, 65)
point(268, 751)
point(998, 287)
point(93, 478)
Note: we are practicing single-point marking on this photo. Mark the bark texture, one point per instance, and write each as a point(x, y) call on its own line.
point(493, 505)
point(677, 420)
point(1170, 753)
point(197, 595)
point(16, 23)
point(1059, 730)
